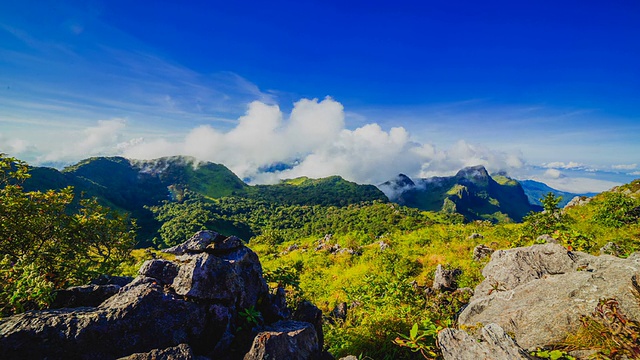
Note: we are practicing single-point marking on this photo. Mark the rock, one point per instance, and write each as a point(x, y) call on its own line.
point(293, 340)
point(539, 293)
point(162, 270)
point(348, 357)
point(112, 280)
point(611, 248)
point(475, 236)
point(578, 201)
point(129, 322)
point(221, 245)
point(340, 311)
point(383, 245)
point(180, 352)
point(445, 280)
point(307, 312)
point(275, 308)
point(196, 244)
point(481, 251)
point(85, 295)
point(546, 239)
point(233, 279)
point(493, 344)
point(182, 309)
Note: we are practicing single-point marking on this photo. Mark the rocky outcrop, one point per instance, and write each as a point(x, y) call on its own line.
point(481, 251)
point(492, 344)
point(293, 340)
point(180, 352)
point(187, 308)
point(445, 279)
point(539, 293)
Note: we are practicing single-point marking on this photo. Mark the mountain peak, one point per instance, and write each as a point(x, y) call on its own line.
point(473, 173)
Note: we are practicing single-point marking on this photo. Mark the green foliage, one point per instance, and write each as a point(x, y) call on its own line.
point(616, 210)
point(24, 287)
point(421, 339)
point(288, 278)
point(180, 220)
point(550, 220)
point(609, 331)
point(552, 354)
point(550, 202)
point(249, 318)
point(46, 245)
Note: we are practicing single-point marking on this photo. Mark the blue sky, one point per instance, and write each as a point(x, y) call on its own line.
point(545, 90)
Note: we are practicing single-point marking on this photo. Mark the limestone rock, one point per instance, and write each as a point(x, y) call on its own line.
point(129, 322)
point(233, 278)
point(539, 293)
point(578, 201)
point(85, 295)
point(196, 244)
point(307, 312)
point(611, 248)
point(445, 280)
point(340, 311)
point(180, 352)
point(493, 344)
point(293, 340)
point(481, 251)
point(546, 239)
point(162, 270)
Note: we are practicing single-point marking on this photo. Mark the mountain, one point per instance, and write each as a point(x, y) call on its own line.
point(536, 190)
point(132, 185)
point(472, 192)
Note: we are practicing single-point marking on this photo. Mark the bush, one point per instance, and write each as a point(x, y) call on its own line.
point(47, 242)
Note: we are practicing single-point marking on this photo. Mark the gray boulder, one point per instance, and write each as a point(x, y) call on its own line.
point(138, 320)
point(205, 240)
point(611, 248)
point(180, 352)
point(492, 344)
point(85, 295)
point(445, 279)
point(546, 239)
point(539, 293)
point(482, 251)
point(233, 278)
point(293, 340)
point(162, 270)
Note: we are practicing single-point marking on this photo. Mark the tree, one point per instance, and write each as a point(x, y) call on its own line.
point(47, 242)
point(548, 221)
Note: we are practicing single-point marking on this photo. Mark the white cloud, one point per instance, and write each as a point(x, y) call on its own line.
point(102, 139)
point(14, 147)
point(562, 165)
point(624, 166)
point(578, 185)
point(314, 141)
point(553, 174)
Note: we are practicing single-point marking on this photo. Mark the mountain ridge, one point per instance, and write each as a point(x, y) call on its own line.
point(472, 192)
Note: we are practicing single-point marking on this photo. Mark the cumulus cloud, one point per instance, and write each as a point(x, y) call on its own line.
point(553, 174)
point(312, 140)
point(14, 147)
point(101, 139)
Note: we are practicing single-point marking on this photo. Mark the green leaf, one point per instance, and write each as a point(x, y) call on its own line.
point(414, 331)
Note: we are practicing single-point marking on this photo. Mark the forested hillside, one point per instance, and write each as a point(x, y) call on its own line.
point(138, 187)
point(472, 192)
